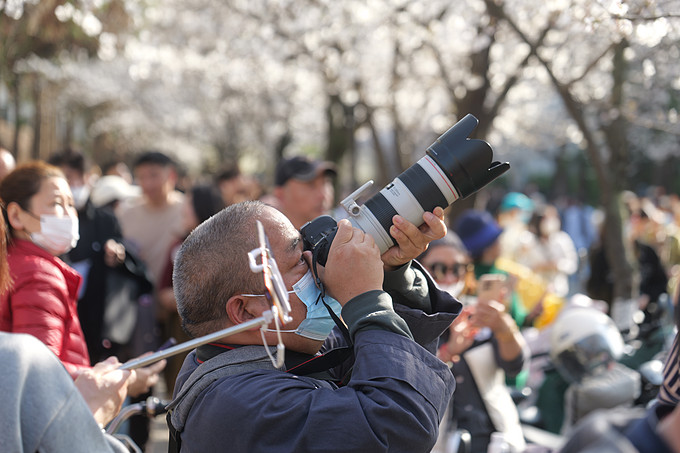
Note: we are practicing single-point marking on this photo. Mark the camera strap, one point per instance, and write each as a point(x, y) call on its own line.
point(338, 322)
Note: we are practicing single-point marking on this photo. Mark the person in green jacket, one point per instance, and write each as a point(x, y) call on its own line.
point(479, 231)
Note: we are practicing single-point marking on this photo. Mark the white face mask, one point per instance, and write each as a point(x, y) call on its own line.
point(455, 289)
point(80, 196)
point(549, 225)
point(57, 235)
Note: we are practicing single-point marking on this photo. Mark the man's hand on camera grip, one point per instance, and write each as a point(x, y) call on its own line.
point(354, 265)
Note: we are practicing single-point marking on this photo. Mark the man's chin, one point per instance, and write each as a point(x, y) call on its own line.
point(302, 344)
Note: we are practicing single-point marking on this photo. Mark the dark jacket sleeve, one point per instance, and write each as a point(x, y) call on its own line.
point(618, 430)
point(394, 402)
point(419, 309)
point(513, 367)
point(427, 310)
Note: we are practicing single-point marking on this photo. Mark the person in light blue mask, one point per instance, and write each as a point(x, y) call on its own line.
point(360, 370)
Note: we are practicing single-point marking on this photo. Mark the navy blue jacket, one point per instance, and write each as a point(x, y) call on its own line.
point(393, 401)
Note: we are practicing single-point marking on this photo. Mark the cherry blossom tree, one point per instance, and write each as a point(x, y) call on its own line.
point(35, 35)
point(602, 58)
point(369, 84)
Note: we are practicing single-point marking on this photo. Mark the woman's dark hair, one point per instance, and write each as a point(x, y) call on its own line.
point(206, 201)
point(5, 279)
point(534, 224)
point(22, 183)
point(70, 158)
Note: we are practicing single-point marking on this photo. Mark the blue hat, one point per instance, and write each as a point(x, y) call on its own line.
point(478, 230)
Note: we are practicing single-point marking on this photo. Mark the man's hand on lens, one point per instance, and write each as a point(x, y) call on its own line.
point(354, 265)
point(413, 240)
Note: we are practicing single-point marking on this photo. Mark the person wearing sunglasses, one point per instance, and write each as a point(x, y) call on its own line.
point(482, 347)
point(388, 392)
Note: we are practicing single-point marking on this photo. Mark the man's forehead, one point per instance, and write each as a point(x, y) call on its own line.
point(282, 235)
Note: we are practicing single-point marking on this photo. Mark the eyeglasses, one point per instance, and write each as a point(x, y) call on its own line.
point(265, 294)
point(439, 270)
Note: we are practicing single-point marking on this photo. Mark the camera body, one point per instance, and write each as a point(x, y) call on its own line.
point(453, 167)
point(318, 235)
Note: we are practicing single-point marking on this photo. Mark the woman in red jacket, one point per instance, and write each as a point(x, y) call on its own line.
point(42, 224)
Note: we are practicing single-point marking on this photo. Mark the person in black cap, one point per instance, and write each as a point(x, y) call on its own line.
point(304, 188)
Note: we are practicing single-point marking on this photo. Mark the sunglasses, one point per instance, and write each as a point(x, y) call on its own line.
point(439, 270)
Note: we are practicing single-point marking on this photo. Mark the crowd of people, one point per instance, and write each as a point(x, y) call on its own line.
point(105, 263)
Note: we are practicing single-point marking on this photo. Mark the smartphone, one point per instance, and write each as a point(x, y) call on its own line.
point(170, 342)
point(492, 287)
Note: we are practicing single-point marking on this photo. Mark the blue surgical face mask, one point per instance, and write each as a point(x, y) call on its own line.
point(318, 323)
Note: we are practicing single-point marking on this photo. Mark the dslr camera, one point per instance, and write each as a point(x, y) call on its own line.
point(454, 167)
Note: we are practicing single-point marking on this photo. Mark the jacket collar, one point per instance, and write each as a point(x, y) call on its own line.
point(297, 363)
point(26, 247)
point(87, 211)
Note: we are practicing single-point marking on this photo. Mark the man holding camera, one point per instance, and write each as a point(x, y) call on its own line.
point(376, 387)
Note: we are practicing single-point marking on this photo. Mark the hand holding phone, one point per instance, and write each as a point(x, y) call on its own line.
point(492, 287)
point(492, 297)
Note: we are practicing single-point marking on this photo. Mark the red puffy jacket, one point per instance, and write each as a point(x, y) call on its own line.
point(42, 302)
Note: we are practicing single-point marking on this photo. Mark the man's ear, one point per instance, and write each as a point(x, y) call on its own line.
point(278, 192)
point(241, 309)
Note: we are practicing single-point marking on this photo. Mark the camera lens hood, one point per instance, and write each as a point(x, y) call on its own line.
point(454, 167)
point(466, 162)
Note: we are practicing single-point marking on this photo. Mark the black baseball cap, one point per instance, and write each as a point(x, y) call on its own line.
point(303, 169)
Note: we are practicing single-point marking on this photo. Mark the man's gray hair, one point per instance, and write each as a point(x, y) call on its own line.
point(212, 266)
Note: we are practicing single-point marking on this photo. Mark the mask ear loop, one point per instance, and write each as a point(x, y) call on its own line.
point(278, 297)
point(280, 358)
point(272, 278)
point(275, 293)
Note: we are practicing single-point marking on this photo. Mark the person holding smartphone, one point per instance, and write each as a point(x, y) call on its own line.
point(483, 346)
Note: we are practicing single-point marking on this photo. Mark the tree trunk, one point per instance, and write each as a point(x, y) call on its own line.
point(617, 248)
point(338, 117)
point(37, 116)
point(610, 173)
point(14, 85)
point(383, 175)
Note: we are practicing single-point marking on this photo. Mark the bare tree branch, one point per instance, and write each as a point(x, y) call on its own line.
point(493, 111)
point(592, 64)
